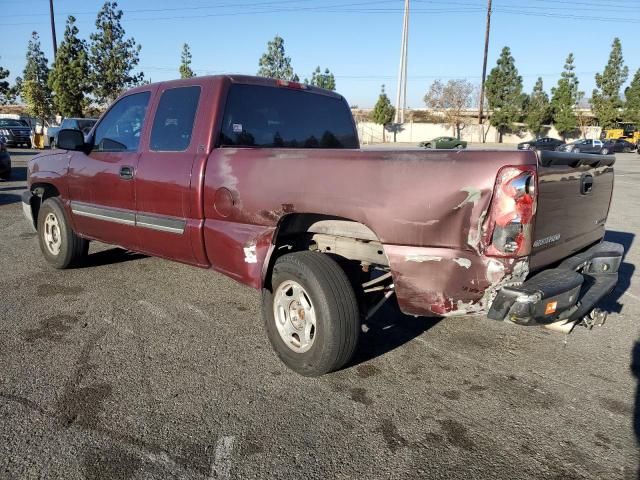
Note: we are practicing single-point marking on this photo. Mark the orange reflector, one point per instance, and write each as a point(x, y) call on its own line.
point(551, 308)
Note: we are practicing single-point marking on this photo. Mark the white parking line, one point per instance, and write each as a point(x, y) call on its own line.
point(221, 466)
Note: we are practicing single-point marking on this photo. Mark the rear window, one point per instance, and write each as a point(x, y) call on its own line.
point(8, 122)
point(257, 116)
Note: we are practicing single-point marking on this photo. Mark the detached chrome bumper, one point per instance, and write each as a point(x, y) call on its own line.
point(564, 294)
point(26, 208)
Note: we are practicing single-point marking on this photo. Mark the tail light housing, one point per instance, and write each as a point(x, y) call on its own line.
point(509, 231)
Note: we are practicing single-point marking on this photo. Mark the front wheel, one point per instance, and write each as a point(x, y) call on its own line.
point(459, 147)
point(605, 151)
point(60, 246)
point(311, 313)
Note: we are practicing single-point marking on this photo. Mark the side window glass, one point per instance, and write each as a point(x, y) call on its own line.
point(120, 129)
point(173, 123)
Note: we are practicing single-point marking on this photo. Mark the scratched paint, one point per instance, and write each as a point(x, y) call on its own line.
point(463, 262)
point(250, 255)
point(473, 195)
point(422, 258)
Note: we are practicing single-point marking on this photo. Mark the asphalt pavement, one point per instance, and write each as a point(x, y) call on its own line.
point(138, 368)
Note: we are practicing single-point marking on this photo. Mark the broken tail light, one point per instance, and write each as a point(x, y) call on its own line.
point(510, 224)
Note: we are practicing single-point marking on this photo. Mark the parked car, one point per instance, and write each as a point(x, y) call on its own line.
point(545, 143)
point(587, 146)
point(221, 173)
point(444, 143)
point(15, 133)
point(84, 125)
point(5, 161)
point(620, 145)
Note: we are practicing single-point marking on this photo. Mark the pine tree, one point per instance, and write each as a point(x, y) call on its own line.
point(538, 109)
point(564, 98)
point(322, 80)
point(504, 93)
point(69, 77)
point(632, 100)
point(112, 56)
point(383, 112)
point(274, 63)
point(185, 62)
point(605, 99)
point(35, 90)
point(4, 86)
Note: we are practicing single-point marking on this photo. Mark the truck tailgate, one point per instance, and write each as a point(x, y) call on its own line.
point(574, 194)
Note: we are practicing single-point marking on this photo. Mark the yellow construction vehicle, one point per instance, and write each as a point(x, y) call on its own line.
point(627, 130)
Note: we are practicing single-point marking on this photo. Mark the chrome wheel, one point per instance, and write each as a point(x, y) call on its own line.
point(52, 237)
point(294, 316)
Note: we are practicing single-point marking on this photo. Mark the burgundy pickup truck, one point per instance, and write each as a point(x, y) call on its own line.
point(263, 180)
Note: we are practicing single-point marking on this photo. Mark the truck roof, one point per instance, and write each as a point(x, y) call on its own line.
point(241, 79)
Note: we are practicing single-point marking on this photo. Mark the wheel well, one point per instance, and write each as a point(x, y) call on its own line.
point(353, 241)
point(41, 191)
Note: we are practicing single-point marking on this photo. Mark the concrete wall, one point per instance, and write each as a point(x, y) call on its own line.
point(417, 132)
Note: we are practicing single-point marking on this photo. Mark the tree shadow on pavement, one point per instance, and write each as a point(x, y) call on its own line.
point(110, 257)
point(387, 330)
point(612, 302)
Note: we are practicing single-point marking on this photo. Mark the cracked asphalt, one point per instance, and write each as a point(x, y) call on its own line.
point(138, 368)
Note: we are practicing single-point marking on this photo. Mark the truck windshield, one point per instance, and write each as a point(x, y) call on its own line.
point(258, 116)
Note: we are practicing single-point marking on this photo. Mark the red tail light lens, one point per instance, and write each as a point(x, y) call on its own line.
point(510, 227)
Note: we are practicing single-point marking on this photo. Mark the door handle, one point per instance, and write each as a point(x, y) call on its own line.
point(126, 173)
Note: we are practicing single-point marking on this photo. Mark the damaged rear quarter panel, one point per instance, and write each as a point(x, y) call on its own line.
point(435, 200)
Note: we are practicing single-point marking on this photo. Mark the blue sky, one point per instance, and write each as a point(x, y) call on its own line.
point(359, 40)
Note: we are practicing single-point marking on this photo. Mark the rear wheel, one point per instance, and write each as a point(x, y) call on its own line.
point(60, 246)
point(311, 313)
point(6, 175)
point(428, 145)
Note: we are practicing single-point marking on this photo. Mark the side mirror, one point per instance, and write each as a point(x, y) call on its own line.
point(71, 140)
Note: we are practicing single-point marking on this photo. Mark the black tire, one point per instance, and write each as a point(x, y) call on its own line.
point(6, 175)
point(337, 328)
point(427, 145)
point(72, 249)
point(52, 143)
point(605, 151)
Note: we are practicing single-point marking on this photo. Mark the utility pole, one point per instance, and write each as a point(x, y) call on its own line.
point(401, 98)
point(53, 30)
point(484, 70)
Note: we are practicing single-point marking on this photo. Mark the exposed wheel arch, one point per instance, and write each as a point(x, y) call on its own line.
point(299, 232)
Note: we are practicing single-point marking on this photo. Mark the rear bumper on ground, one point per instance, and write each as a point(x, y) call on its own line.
point(566, 293)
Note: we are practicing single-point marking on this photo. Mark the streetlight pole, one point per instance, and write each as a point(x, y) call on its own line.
point(401, 98)
point(484, 70)
point(53, 30)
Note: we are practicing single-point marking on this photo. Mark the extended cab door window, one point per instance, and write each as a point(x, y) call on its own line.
point(173, 122)
point(120, 129)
